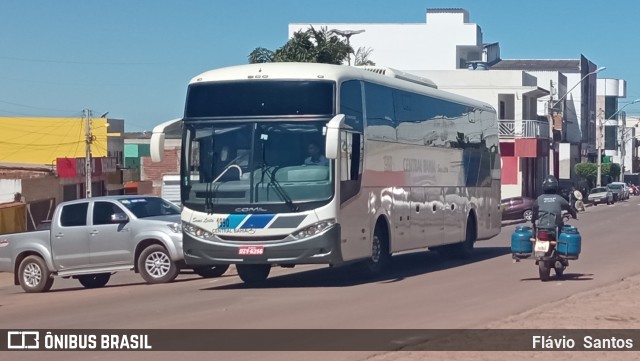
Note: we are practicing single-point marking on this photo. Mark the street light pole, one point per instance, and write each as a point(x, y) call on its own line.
point(552, 158)
point(347, 34)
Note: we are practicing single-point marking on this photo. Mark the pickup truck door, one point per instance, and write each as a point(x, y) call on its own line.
point(69, 237)
point(109, 242)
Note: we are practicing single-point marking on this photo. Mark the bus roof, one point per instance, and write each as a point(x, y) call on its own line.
point(314, 71)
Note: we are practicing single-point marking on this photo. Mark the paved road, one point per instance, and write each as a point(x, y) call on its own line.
point(422, 291)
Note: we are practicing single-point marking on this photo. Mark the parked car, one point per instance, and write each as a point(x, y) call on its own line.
point(618, 189)
point(600, 195)
point(90, 239)
point(517, 208)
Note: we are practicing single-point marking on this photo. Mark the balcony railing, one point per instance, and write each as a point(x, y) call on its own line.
point(524, 129)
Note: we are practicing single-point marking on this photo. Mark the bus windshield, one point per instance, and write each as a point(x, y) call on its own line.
point(279, 165)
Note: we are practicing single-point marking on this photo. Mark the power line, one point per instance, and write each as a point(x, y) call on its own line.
point(55, 61)
point(34, 107)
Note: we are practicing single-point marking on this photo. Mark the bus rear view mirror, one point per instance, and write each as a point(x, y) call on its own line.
point(332, 145)
point(157, 139)
point(157, 147)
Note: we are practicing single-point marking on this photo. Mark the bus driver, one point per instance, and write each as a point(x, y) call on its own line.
point(315, 158)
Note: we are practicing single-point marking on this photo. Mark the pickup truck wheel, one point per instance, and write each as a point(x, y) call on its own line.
point(155, 265)
point(34, 275)
point(211, 271)
point(95, 280)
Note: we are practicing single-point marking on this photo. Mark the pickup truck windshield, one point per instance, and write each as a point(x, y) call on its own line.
point(143, 207)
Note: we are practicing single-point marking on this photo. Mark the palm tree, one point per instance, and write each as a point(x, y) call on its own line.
point(308, 46)
point(362, 57)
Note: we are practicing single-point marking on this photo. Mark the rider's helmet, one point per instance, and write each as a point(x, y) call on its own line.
point(550, 185)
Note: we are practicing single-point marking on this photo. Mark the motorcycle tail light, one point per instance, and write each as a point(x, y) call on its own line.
point(543, 235)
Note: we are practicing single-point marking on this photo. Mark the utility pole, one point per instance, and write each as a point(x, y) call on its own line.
point(600, 144)
point(552, 144)
point(87, 156)
point(623, 147)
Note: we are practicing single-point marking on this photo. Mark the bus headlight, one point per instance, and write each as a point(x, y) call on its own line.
point(314, 229)
point(196, 231)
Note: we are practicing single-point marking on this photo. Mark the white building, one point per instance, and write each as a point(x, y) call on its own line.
point(448, 41)
point(616, 131)
point(417, 46)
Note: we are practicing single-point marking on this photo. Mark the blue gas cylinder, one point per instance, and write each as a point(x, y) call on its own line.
point(521, 240)
point(569, 242)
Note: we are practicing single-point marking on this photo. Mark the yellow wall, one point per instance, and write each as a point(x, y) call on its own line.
point(42, 140)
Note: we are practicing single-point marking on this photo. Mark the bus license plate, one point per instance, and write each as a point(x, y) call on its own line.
point(542, 246)
point(251, 250)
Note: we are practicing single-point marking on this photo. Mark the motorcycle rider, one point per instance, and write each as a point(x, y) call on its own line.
point(547, 209)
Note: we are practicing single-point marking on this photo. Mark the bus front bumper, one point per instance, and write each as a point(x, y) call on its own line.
point(323, 248)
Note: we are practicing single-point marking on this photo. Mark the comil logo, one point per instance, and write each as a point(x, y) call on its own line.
point(23, 340)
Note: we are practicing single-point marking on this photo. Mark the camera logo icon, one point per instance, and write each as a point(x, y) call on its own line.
point(23, 340)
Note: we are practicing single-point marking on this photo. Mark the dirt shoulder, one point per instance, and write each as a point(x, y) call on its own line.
point(615, 306)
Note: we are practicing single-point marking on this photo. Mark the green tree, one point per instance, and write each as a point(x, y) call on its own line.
point(261, 55)
point(306, 46)
point(588, 172)
point(614, 170)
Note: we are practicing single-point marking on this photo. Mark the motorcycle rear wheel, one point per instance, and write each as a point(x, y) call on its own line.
point(544, 270)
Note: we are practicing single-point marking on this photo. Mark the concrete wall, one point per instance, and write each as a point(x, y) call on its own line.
point(8, 189)
point(154, 171)
point(42, 140)
point(36, 189)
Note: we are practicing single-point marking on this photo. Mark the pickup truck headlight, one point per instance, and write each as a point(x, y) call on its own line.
point(314, 229)
point(197, 231)
point(175, 227)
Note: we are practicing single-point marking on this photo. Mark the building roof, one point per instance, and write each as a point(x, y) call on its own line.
point(11, 204)
point(560, 65)
point(23, 171)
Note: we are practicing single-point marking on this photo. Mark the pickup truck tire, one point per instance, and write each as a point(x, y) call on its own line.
point(34, 275)
point(155, 265)
point(95, 280)
point(211, 271)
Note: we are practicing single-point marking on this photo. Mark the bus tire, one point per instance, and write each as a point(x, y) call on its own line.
point(380, 254)
point(94, 280)
point(253, 274)
point(464, 249)
point(211, 271)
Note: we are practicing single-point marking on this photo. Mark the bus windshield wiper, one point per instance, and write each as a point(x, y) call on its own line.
point(281, 192)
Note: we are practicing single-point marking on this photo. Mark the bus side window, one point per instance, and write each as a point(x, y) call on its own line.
point(351, 164)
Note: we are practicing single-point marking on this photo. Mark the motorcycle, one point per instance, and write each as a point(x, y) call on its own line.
point(551, 248)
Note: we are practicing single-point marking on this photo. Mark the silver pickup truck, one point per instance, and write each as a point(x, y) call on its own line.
point(90, 239)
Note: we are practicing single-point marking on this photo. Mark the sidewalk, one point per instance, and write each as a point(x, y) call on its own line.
point(615, 306)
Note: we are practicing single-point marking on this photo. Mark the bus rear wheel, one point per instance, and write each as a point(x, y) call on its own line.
point(464, 249)
point(253, 274)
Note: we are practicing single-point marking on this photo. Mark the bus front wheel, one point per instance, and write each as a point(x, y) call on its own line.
point(253, 274)
point(380, 255)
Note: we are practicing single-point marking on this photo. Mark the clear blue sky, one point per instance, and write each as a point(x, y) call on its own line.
point(135, 58)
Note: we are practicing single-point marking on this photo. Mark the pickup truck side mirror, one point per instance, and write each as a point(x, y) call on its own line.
point(119, 218)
